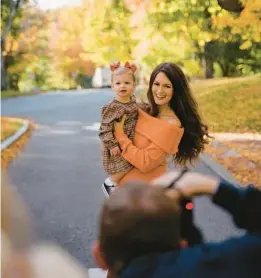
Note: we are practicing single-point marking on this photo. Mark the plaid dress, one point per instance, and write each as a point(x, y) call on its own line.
point(110, 113)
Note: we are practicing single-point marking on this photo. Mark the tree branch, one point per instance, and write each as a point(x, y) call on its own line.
point(14, 8)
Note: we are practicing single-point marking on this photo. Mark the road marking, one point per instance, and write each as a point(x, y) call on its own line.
point(69, 123)
point(93, 127)
point(97, 273)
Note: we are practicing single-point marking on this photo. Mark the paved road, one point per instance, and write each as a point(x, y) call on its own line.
point(59, 173)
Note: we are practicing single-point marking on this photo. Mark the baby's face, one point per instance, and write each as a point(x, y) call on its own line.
point(123, 85)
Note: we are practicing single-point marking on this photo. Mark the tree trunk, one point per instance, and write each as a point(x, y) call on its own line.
point(208, 61)
point(13, 10)
point(3, 72)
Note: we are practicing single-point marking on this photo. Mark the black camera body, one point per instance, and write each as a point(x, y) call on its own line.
point(188, 230)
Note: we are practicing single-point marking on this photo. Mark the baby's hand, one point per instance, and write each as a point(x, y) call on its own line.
point(115, 151)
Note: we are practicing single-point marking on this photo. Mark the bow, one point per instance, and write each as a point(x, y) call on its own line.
point(132, 67)
point(114, 66)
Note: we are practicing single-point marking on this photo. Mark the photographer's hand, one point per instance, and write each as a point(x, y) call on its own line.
point(190, 184)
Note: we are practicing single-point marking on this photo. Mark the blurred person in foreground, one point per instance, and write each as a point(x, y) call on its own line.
point(140, 232)
point(20, 256)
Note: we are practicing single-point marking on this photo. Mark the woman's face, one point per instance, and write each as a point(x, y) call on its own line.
point(162, 89)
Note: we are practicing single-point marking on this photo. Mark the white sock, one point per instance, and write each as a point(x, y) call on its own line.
point(110, 182)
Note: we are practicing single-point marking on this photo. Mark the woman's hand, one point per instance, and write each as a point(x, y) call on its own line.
point(190, 184)
point(118, 126)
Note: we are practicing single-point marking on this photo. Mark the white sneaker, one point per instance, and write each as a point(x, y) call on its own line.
point(108, 187)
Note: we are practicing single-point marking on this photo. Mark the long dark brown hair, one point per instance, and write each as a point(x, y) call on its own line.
point(185, 107)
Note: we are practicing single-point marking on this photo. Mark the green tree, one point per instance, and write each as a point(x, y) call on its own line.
point(11, 13)
point(109, 32)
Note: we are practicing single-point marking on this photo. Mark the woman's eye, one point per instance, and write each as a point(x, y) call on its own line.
point(156, 84)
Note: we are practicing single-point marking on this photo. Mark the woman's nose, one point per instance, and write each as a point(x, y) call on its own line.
point(160, 89)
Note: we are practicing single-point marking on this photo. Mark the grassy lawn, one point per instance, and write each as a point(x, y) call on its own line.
point(230, 105)
point(8, 127)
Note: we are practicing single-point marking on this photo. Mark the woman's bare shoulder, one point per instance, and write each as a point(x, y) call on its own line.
point(171, 119)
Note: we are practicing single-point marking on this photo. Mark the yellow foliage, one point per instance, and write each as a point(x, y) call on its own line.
point(247, 24)
point(246, 45)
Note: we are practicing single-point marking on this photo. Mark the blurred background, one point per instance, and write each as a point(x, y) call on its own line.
point(48, 45)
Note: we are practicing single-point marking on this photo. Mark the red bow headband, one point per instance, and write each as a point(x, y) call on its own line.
point(127, 65)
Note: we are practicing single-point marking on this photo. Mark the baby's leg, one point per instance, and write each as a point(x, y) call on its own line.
point(111, 182)
point(115, 178)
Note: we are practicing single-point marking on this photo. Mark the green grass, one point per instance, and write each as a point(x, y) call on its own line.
point(233, 106)
point(13, 93)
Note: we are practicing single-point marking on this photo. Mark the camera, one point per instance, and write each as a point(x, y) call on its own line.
point(188, 230)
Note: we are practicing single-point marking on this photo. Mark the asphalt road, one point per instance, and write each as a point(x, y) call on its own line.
point(59, 173)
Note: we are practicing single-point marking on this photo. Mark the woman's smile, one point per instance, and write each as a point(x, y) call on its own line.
point(162, 89)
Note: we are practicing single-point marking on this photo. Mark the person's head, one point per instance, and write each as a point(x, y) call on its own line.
point(135, 221)
point(168, 87)
point(123, 80)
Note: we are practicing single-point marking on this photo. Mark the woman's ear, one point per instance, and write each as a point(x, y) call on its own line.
point(98, 256)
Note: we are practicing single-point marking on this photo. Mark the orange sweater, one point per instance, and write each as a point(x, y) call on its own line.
point(154, 139)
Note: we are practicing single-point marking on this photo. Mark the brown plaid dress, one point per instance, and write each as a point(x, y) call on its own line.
point(110, 113)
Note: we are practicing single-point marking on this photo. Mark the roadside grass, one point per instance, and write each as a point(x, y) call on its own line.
point(8, 127)
point(231, 107)
point(14, 93)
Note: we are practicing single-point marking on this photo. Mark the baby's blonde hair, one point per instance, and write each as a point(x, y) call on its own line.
point(117, 69)
point(121, 70)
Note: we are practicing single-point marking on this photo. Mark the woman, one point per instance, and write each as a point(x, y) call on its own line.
point(173, 127)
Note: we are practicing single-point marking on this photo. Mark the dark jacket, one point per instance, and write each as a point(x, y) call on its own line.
point(234, 258)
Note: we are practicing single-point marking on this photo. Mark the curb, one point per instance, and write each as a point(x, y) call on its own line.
point(217, 168)
point(10, 140)
point(222, 136)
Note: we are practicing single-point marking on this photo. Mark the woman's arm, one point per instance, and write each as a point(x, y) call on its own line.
point(143, 159)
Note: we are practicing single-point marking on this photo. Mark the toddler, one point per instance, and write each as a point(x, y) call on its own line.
point(124, 103)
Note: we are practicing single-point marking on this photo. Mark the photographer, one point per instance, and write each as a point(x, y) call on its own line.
point(141, 233)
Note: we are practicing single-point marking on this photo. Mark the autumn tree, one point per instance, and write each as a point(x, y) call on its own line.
point(11, 13)
point(109, 32)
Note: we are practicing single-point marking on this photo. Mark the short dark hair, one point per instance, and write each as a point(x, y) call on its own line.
point(135, 221)
point(185, 107)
